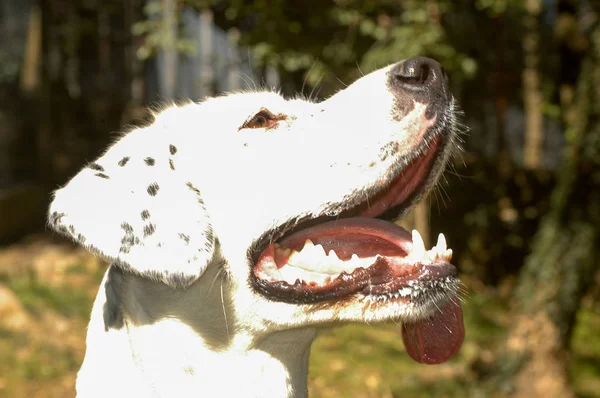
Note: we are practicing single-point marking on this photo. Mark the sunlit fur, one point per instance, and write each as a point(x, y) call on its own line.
point(176, 315)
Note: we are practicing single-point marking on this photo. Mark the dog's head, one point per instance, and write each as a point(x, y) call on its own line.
point(294, 196)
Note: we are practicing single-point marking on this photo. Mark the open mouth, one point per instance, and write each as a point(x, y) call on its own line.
point(361, 254)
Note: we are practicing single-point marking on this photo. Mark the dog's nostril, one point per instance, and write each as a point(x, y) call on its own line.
point(419, 73)
point(414, 74)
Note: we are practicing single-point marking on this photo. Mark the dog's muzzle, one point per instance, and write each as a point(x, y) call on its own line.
point(357, 253)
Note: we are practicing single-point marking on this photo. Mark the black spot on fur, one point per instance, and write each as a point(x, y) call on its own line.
point(172, 149)
point(153, 189)
point(127, 242)
point(123, 161)
point(55, 217)
point(149, 230)
point(127, 227)
point(186, 238)
point(171, 164)
point(145, 215)
point(208, 242)
point(96, 166)
point(102, 175)
point(196, 190)
point(80, 238)
point(150, 161)
point(193, 188)
point(62, 228)
point(388, 150)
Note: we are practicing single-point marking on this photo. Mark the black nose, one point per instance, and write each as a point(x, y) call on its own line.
point(418, 74)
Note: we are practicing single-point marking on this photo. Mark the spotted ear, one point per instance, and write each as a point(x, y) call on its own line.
point(135, 208)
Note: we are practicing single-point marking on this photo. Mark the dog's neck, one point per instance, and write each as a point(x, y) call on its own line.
point(186, 343)
point(277, 365)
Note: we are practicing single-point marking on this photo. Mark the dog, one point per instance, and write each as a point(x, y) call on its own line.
point(238, 226)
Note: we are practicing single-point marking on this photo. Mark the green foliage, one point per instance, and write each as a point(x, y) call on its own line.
point(326, 42)
point(158, 31)
point(399, 38)
point(35, 295)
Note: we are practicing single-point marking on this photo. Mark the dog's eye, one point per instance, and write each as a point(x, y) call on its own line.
point(259, 121)
point(263, 119)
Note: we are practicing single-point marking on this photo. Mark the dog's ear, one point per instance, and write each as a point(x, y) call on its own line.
point(134, 207)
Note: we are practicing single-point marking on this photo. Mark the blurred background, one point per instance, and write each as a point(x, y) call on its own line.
point(520, 208)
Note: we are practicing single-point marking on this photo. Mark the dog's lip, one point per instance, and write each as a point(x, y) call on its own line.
point(385, 198)
point(392, 267)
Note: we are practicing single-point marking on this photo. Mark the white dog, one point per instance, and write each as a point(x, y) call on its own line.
point(238, 226)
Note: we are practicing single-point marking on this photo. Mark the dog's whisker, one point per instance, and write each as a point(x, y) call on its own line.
point(225, 314)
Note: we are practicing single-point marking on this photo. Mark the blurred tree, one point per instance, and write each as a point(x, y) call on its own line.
point(565, 257)
point(88, 81)
point(531, 86)
point(328, 44)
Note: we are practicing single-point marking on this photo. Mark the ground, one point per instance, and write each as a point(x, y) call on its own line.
point(47, 287)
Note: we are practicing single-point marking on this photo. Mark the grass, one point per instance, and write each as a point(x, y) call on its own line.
point(37, 296)
point(585, 369)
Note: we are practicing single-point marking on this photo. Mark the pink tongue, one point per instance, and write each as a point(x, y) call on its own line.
point(435, 340)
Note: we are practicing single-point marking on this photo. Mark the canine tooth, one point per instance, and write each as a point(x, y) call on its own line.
point(293, 258)
point(448, 254)
point(354, 263)
point(334, 259)
point(441, 244)
point(418, 249)
point(432, 254)
point(320, 250)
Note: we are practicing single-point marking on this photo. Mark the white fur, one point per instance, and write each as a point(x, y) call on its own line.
point(191, 323)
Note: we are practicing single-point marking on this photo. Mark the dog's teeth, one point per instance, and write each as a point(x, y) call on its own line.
point(320, 251)
point(293, 258)
point(333, 258)
point(354, 261)
point(432, 254)
point(441, 244)
point(418, 249)
point(448, 254)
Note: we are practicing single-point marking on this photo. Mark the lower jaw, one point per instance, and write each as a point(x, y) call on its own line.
point(431, 280)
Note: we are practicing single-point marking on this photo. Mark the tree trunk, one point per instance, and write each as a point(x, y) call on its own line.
point(563, 260)
point(532, 147)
